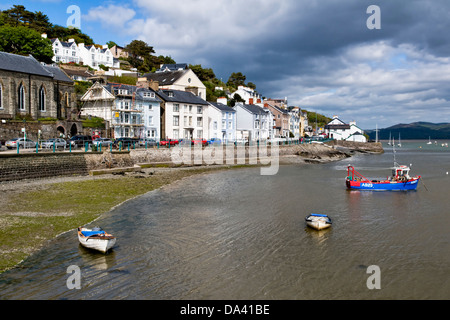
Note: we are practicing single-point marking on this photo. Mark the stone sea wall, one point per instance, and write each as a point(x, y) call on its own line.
point(31, 166)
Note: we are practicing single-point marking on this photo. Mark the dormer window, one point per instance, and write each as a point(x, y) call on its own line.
point(170, 94)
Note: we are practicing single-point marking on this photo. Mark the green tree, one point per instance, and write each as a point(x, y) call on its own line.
point(25, 41)
point(140, 55)
point(236, 98)
point(166, 60)
point(202, 73)
point(236, 79)
point(111, 44)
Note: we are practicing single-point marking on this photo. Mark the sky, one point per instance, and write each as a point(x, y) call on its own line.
point(322, 55)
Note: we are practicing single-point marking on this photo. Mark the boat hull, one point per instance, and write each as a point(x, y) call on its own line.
point(100, 243)
point(318, 222)
point(383, 185)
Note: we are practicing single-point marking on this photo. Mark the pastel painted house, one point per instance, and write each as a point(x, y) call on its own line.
point(221, 122)
point(253, 122)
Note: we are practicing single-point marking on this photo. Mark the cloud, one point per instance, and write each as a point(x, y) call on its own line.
point(110, 16)
point(319, 54)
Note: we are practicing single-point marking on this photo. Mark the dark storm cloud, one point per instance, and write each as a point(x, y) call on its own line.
point(319, 54)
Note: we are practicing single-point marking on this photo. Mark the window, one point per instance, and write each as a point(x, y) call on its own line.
point(199, 110)
point(215, 125)
point(127, 119)
point(150, 120)
point(185, 121)
point(176, 120)
point(176, 134)
point(230, 124)
point(150, 107)
point(21, 98)
point(42, 99)
point(1, 96)
point(200, 122)
point(176, 108)
point(199, 134)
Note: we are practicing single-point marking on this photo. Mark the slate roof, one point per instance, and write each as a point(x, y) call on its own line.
point(172, 67)
point(222, 107)
point(58, 74)
point(252, 108)
point(63, 43)
point(166, 78)
point(337, 126)
point(23, 64)
point(180, 96)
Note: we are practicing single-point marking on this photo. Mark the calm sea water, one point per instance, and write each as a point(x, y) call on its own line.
point(238, 235)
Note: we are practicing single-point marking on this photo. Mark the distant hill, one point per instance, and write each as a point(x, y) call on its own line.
point(413, 131)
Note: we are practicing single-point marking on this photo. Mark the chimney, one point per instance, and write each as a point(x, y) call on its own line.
point(105, 46)
point(154, 85)
point(71, 40)
point(142, 83)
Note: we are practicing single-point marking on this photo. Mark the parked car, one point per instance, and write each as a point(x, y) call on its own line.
point(170, 142)
point(125, 143)
point(104, 142)
point(80, 141)
point(185, 142)
point(27, 143)
point(214, 141)
point(203, 142)
point(58, 142)
point(147, 142)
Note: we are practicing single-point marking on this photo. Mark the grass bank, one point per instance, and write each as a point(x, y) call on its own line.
point(33, 214)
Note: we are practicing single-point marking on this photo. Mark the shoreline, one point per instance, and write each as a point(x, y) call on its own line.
point(38, 210)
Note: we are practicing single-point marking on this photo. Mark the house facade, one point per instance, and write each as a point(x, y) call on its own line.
point(179, 80)
point(281, 118)
point(253, 123)
point(221, 122)
point(339, 130)
point(184, 115)
point(128, 110)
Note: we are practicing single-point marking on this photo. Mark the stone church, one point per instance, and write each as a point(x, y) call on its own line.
point(32, 91)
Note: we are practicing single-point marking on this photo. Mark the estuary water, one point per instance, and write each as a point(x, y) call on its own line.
point(237, 235)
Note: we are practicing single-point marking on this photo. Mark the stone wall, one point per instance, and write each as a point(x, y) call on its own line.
point(31, 166)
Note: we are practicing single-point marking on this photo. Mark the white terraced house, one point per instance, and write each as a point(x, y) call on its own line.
point(91, 55)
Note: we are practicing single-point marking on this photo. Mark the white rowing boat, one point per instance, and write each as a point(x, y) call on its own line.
point(318, 221)
point(96, 239)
